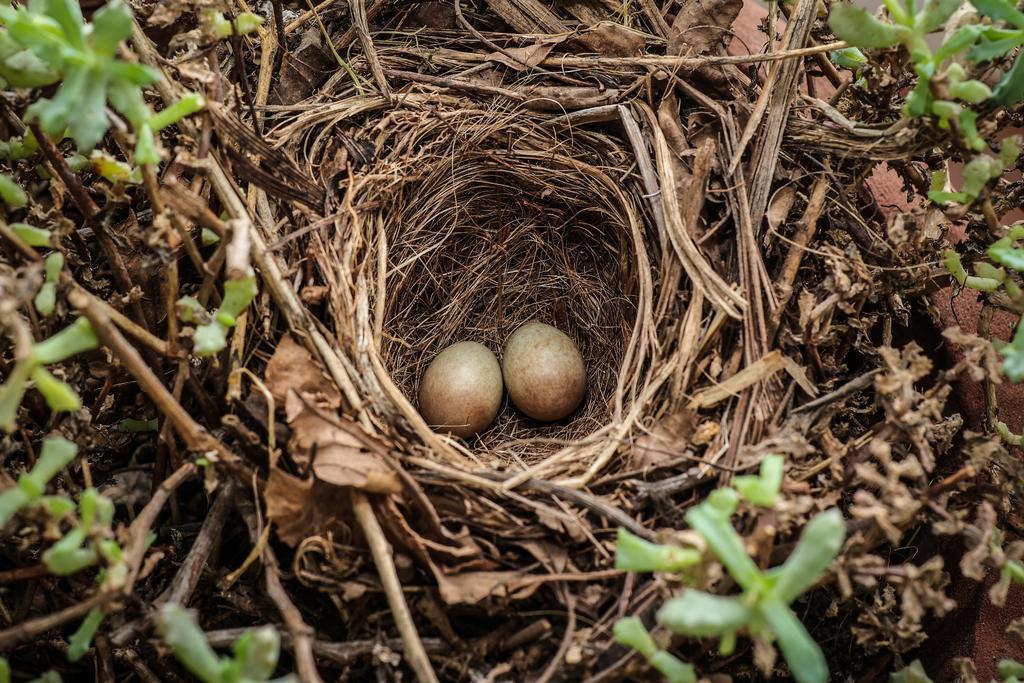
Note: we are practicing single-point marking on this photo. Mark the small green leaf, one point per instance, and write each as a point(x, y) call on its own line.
point(935, 14)
point(725, 543)
point(210, 339)
point(31, 235)
point(75, 338)
point(1000, 9)
point(859, 28)
point(634, 554)
point(11, 393)
point(970, 91)
point(186, 106)
point(179, 630)
point(819, 543)
point(763, 489)
point(700, 614)
point(914, 673)
point(110, 25)
point(804, 657)
point(630, 631)
point(1011, 668)
point(669, 666)
point(11, 193)
point(81, 639)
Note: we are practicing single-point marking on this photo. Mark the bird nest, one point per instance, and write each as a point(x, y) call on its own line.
point(468, 223)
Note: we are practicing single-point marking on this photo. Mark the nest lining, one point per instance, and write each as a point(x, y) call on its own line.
point(470, 223)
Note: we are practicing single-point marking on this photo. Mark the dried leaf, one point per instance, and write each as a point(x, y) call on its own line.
point(302, 508)
point(702, 26)
point(522, 58)
point(609, 39)
point(343, 455)
point(780, 206)
point(667, 440)
point(292, 368)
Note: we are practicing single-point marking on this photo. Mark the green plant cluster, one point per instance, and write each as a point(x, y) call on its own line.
point(89, 540)
point(211, 332)
point(762, 609)
point(75, 338)
point(254, 654)
point(45, 42)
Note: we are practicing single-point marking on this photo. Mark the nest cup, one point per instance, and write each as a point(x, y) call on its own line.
point(469, 224)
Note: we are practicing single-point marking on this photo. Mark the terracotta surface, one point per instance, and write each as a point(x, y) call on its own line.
point(975, 629)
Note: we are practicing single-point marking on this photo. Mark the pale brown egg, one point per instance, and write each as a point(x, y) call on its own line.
point(460, 392)
point(544, 372)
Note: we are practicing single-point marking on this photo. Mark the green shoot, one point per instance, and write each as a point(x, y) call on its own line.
point(60, 45)
point(11, 193)
point(763, 607)
point(73, 339)
point(46, 299)
point(1011, 670)
point(763, 489)
point(254, 658)
point(54, 456)
point(634, 554)
point(211, 332)
point(631, 632)
point(19, 147)
point(31, 235)
point(218, 27)
point(112, 169)
point(82, 638)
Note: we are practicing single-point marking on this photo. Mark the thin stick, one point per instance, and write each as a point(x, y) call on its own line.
point(381, 550)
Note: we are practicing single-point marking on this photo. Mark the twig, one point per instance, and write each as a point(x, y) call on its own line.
point(195, 436)
point(851, 387)
point(187, 578)
point(79, 195)
point(301, 633)
point(339, 653)
point(382, 557)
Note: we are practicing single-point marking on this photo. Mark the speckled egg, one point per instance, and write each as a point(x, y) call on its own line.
point(544, 372)
point(460, 392)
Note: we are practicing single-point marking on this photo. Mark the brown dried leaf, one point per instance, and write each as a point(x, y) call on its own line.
point(292, 368)
point(522, 58)
point(302, 508)
point(779, 208)
point(470, 588)
point(344, 456)
point(666, 440)
point(303, 68)
point(610, 40)
point(702, 26)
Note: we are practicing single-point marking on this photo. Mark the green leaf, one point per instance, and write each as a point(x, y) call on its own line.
point(804, 657)
point(970, 91)
point(186, 106)
point(75, 338)
point(179, 630)
point(935, 14)
point(1011, 668)
point(31, 235)
point(700, 614)
point(1001, 10)
point(859, 28)
point(256, 653)
point(820, 542)
point(68, 14)
point(110, 25)
point(56, 453)
point(763, 489)
point(67, 556)
point(5, 671)
point(989, 48)
point(914, 673)
point(631, 632)
point(969, 128)
point(209, 339)
point(634, 554)
point(46, 299)
point(82, 638)
point(725, 543)
point(11, 193)
point(238, 293)
point(1008, 256)
point(11, 393)
point(669, 666)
